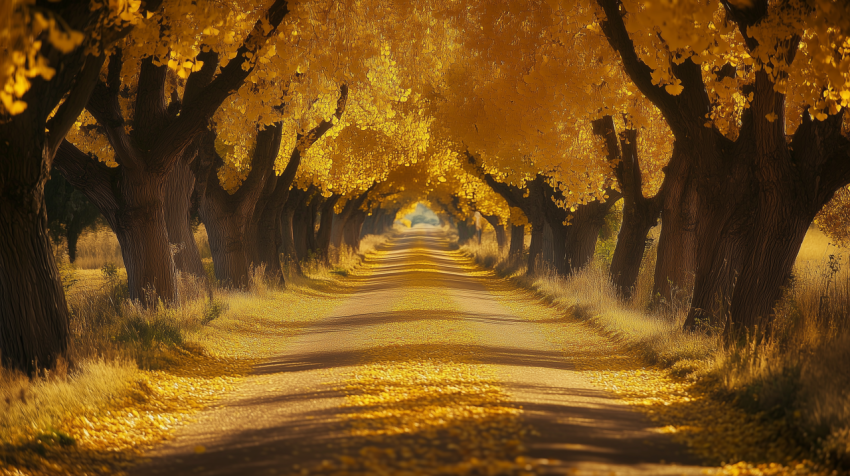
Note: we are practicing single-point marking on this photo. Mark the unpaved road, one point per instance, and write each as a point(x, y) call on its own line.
point(421, 303)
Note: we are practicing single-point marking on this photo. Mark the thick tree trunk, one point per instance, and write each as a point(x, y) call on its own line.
point(517, 241)
point(631, 245)
point(34, 325)
point(139, 223)
point(588, 221)
point(323, 237)
point(352, 231)
point(575, 242)
point(300, 227)
point(179, 186)
point(265, 232)
point(226, 236)
point(499, 229)
point(310, 222)
point(640, 214)
point(676, 255)
point(131, 202)
point(226, 216)
point(535, 248)
point(33, 313)
point(296, 201)
point(548, 252)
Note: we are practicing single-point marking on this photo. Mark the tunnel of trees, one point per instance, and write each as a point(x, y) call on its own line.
point(723, 122)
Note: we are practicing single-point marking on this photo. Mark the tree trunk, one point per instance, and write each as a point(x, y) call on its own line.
point(33, 313)
point(264, 231)
point(139, 224)
point(34, 324)
point(225, 231)
point(631, 245)
point(501, 239)
point(295, 202)
point(535, 248)
point(179, 186)
point(676, 255)
point(588, 221)
point(548, 252)
point(640, 214)
point(310, 231)
point(226, 216)
point(350, 210)
point(72, 236)
point(353, 228)
point(517, 241)
point(323, 237)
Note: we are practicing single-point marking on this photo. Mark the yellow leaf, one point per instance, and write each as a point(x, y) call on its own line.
point(674, 89)
point(200, 449)
point(771, 117)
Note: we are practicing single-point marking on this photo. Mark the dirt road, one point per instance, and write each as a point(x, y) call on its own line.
point(425, 370)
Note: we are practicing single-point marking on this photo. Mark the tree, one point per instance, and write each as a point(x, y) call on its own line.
point(755, 192)
point(48, 54)
point(131, 196)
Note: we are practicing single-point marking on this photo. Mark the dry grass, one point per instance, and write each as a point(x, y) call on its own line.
point(800, 376)
point(97, 248)
point(342, 260)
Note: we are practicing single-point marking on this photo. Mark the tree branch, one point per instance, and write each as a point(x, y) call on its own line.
point(103, 106)
point(88, 175)
point(317, 132)
point(61, 122)
point(195, 114)
point(262, 165)
point(151, 109)
point(198, 80)
point(619, 39)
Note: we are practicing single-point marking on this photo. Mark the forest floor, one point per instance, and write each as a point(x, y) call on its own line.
point(416, 362)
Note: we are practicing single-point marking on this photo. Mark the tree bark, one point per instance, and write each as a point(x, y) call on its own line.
point(304, 223)
point(639, 213)
point(323, 237)
point(575, 233)
point(349, 211)
point(33, 314)
point(296, 201)
point(352, 233)
point(136, 216)
point(501, 238)
point(227, 215)
point(179, 186)
point(517, 241)
point(676, 255)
